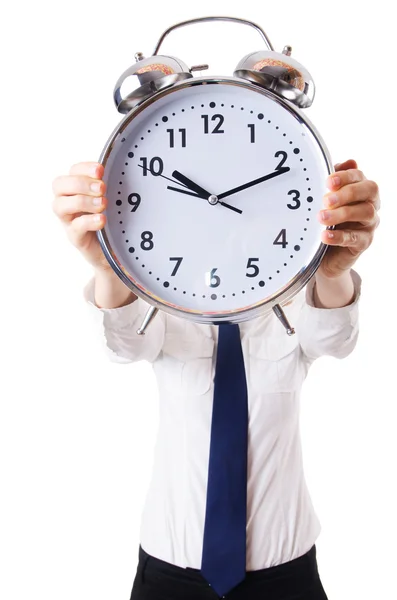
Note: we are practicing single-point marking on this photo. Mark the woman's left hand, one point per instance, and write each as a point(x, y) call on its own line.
point(352, 205)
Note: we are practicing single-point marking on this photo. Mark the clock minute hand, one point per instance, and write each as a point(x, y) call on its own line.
point(254, 182)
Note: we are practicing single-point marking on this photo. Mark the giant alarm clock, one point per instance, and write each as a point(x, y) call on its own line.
point(213, 185)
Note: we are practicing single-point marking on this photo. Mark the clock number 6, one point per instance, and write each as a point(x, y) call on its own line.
point(212, 280)
point(251, 266)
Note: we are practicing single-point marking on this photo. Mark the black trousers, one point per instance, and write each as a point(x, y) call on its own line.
point(297, 579)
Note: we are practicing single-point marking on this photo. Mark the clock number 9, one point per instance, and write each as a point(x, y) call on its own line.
point(251, 266)
point(133, 203)
point(296, 199)
point(153, 169)
point(212, 280)
point(147, 240)
point(284, 155)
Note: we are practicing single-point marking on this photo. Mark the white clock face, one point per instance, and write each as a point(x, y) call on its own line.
point(213, 192)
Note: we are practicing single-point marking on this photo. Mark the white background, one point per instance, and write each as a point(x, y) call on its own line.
point(76, 431)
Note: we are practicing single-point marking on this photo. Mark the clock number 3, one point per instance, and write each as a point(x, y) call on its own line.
point(295, 199)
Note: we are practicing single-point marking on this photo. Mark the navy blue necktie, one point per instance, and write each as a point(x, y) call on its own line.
point(224, 545)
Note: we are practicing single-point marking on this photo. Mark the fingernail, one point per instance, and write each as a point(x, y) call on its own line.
point(96, 186)
point(330, 234)
point(325, 214)
point(97, 201)
point(332, 199)
point(335, 180)
point(94, 171)
point(97, 218)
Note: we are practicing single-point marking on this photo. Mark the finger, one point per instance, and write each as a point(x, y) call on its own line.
point(71, 185)
point(342, 178)
point(90, 169)
point(80, 226)
point(348, 238)
point(68, 207)
point(348, 164)
point(363, 212)
point(354, 192)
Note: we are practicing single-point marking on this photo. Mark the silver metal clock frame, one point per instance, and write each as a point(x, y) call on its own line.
point(274, 302)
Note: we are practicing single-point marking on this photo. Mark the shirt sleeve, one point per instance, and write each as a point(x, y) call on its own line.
point(329, 331)
point(118, 326)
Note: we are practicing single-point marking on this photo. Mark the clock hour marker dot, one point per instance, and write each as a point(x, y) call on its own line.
point(291, 142)
point(212, 104)
point(123, 231)
point(142, 138)
point(260, 116)
point(203, 295)
point(166, 284)
point(164, 119)
point(174, 289)
point(126, 241)
point(252, 288)
point(130, 155)
point(194, 295)
point(307, 219)
point(183, 110)
point(157, 124)
point(269, 121)
point(137, 258)
point(291, 256)
point(233, 294)
point(120, 182)
point(278, 271)
point(284, 134)
point(261, 284)
point(301, 239)
point(270, 278)
point(307, 179)
point(202, 106)
point(119, 211)
point(158, 278)
point(119, 192)
point(222, 105)
point(192, 107)
point(285, 264)
point(296, 248)
point(173, 114)
point(122, 172)
point(305, 229)
point(131, 249)
point(305, 169)
point(126, 164)
point(184, 292)
point(309, 189)
point(309, 209)
point(121, 222)
point(242, 108)
point(251, 111)
point(301, 159)
point(277, 127)
point(150, 272)
point(119, 202)
point(143, 266)
point(243, 292)
point(232, 106)
point(136, 146)
point(310, 198)
point(223, 296)
point(123, 140)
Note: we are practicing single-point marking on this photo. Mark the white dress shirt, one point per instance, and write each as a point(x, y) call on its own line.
point(281, 521)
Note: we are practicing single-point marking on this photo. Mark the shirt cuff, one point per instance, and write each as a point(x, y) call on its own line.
point(340, 313)
point(114, 318)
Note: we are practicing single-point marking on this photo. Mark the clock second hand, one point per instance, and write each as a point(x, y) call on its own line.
point(200, 192)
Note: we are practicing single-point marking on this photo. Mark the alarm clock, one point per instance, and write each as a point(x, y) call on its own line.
point(213, 185)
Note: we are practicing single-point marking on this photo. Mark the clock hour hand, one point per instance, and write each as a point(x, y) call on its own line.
point(254, 182)
point(190, 184)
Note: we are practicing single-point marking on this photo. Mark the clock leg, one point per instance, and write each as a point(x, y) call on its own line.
point(151, 313)
point(281, 316)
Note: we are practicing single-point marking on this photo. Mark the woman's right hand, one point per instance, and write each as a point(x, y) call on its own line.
point(79, 202)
